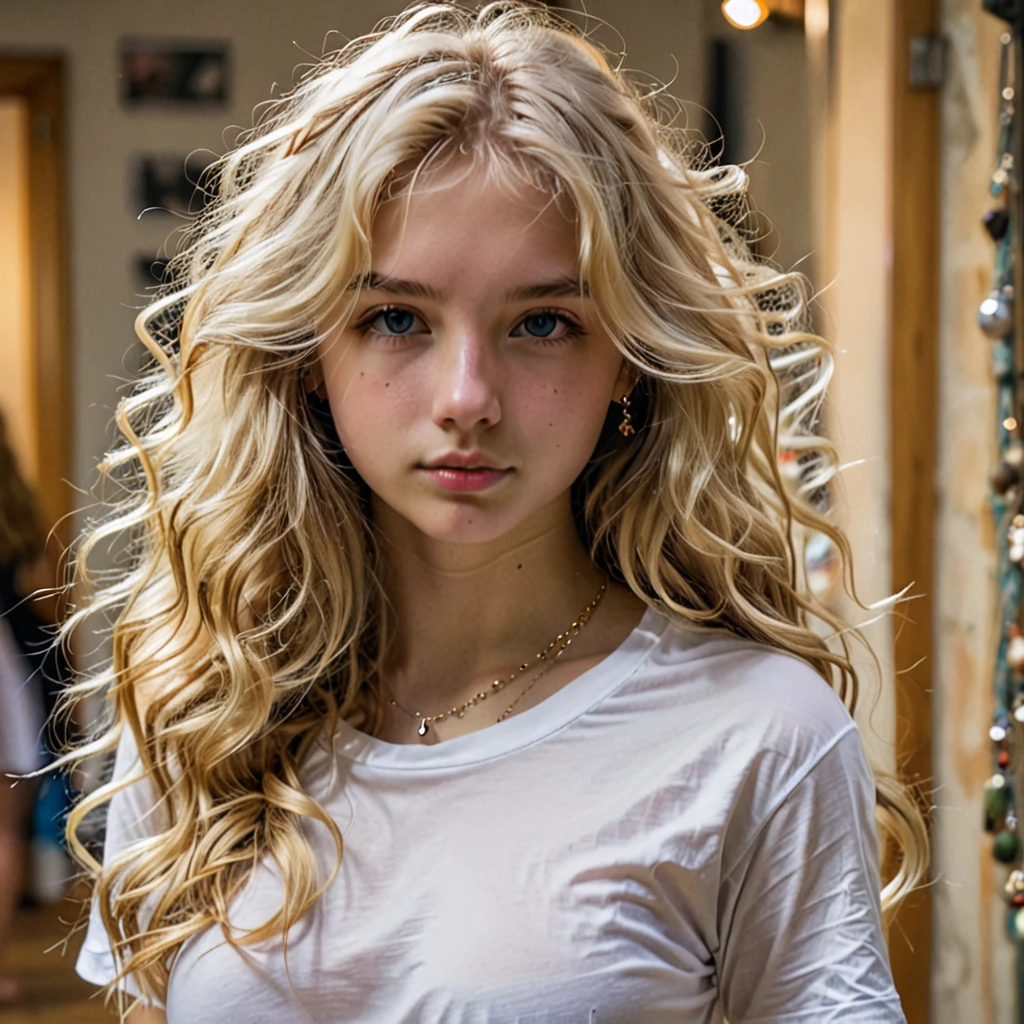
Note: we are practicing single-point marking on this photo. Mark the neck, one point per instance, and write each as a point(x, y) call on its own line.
point(466, 614)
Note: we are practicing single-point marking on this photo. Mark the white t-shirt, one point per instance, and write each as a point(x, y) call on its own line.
point(685, 830)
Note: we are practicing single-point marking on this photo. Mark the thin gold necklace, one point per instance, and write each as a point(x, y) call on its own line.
point(561, 642)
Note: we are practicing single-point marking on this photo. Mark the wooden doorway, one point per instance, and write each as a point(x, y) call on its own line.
point(877, 150)
point(34, 349)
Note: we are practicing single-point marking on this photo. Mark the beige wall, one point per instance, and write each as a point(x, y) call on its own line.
point(857, 241)
point(17, 392)
point(776, 133)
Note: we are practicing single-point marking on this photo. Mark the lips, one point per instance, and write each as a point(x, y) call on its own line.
point(461, 478)
point(465, 460)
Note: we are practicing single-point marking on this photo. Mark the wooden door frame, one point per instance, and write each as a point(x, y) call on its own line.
point(39, 82)
point(913, 426)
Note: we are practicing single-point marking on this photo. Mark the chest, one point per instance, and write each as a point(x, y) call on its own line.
point(477, 901)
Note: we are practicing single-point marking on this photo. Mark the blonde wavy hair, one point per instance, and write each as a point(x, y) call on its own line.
point(251, 616)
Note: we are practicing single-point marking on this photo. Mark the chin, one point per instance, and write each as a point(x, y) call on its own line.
point(463, 524)
point(464, 520)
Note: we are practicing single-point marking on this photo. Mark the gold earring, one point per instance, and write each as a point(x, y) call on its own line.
point(626, 427)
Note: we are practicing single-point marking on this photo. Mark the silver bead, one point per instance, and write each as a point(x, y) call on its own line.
point(995, 314)
point(1015, 653)
point(1015, 540)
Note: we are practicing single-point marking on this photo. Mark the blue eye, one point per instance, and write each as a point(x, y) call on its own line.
point(391, 323)
point(395, 321)
point(541, 325)
point(548, 327)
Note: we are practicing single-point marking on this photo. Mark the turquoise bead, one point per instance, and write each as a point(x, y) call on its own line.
point(1015, 925)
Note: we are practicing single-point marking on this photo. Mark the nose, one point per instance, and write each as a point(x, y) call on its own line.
point(465, 385)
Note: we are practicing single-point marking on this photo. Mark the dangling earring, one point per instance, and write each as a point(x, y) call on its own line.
point(625, 427)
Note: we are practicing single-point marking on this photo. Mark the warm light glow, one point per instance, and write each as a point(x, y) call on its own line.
point(816, 19)
point(1009, 423)
point(744, 13)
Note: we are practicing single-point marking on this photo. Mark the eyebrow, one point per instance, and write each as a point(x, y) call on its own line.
point(561, 287)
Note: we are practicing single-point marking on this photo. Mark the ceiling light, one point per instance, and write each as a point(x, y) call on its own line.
point(744, 13)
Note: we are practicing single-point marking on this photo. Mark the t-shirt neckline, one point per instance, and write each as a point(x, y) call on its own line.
point(529, 726)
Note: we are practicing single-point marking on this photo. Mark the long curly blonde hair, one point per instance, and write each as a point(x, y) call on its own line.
point(251, 615)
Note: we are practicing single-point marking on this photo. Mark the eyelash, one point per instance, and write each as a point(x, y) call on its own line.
point(572, 332)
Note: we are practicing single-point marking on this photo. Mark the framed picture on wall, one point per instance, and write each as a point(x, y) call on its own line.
point(162, 72)
point(170, 184)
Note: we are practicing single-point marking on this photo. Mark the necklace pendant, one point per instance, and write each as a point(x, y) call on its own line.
point(545, 658)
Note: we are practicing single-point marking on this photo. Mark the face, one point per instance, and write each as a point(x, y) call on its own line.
point(470, 345)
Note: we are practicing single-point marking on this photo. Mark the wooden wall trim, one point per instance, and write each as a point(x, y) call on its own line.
point(914, 382)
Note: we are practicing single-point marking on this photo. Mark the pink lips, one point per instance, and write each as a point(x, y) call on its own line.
point(452, 479)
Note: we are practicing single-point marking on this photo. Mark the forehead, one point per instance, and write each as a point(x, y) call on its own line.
point(477, 221)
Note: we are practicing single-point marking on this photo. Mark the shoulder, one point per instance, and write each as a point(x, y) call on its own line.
point(768, 735)
point(740, 719)
point(725, 733)
point(745, 688)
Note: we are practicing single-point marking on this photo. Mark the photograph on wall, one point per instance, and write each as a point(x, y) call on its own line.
point(174, 73)
point(171, 184)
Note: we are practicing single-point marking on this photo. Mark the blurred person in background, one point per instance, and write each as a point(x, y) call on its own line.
point(25, 698)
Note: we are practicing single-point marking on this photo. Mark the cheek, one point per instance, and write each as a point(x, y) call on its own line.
point(565, 416)
point(368, 406)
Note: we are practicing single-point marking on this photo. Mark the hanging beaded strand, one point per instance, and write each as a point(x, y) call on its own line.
point(997, 318)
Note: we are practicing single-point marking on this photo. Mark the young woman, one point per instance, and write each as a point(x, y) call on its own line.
point(464, 670)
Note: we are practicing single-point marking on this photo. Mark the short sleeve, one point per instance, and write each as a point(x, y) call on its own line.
point(132, 815)
point(799, 908)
